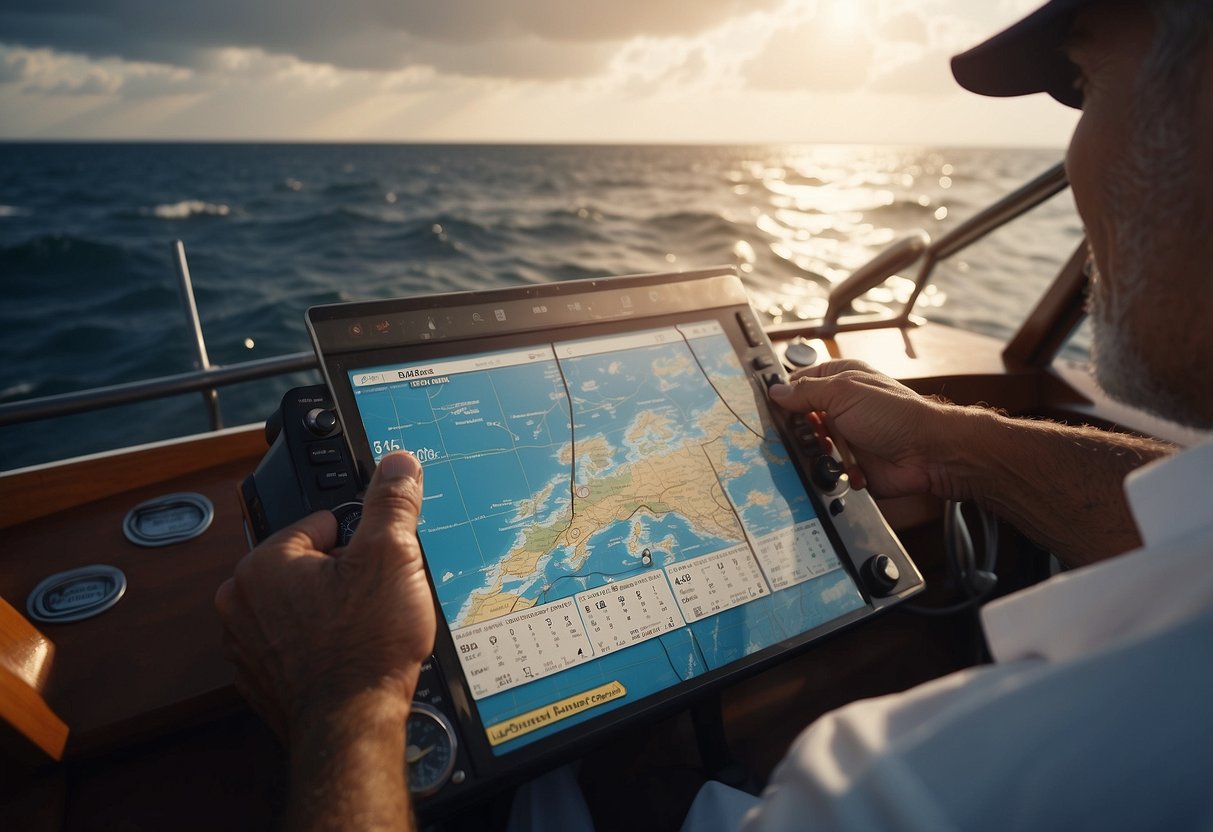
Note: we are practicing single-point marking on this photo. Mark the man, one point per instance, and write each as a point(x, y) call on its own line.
point(1095, 714)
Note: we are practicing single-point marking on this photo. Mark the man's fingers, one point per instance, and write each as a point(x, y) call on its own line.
point(389, 509)
point(832, 368)
point(804, 394)
point(316, 532)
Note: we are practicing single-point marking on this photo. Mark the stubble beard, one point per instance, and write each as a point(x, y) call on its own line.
point(1143, 326)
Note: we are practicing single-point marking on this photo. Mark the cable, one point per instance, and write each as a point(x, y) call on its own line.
point(977, 582)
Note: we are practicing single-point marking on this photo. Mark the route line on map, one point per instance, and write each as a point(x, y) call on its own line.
point(568, 397)
point(719, 395)
point(740, 523)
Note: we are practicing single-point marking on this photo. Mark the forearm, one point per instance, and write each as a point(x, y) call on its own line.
point(1061, 486)
point(347, 767)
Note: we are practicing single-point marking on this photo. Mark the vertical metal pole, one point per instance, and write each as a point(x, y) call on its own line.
point(201, 360)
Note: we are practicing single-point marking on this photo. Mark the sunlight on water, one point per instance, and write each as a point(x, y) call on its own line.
point(273, 229)
point(825, 211)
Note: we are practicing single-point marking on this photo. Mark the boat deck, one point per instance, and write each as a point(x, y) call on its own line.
point(157, 733)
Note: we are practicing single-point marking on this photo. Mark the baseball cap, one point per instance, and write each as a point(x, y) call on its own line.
point(1025, 58)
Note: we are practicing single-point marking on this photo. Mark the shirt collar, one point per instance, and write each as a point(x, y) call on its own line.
point(1172, 497)
point(1084, 609)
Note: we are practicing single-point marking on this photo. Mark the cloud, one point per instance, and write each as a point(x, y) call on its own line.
point(927, 74)
point(512, 38)
point(46, 72)
point(811, 57)
point(906, 26)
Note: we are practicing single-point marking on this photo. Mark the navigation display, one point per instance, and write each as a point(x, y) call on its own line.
point(603, 519)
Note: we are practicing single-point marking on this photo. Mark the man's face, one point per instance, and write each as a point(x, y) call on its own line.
point(1141, 167)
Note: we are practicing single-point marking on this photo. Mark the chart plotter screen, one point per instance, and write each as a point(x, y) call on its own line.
point(603, 519)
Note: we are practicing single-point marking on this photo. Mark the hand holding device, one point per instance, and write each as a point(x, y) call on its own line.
point(895, 434)
point(310, 624)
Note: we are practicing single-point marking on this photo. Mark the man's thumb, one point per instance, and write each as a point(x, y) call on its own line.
point(391, 505)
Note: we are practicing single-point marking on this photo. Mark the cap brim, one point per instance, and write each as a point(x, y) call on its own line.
point(1026, 58)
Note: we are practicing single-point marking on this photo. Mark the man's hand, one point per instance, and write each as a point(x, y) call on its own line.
point(1059, 485)
point(309, 626)
point(327, 644)
point(894, 432)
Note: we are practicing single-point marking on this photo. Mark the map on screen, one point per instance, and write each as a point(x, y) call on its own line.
point(603, 519)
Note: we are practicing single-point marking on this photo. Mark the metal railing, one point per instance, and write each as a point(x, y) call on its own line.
point(206, 378)
point(905, 252)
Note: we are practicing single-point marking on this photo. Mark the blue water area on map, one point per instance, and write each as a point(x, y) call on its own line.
point(506, 460)
point(493, 440)
point(786, 503)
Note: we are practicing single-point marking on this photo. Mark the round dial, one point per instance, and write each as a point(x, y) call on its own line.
point(348, 516)
point(429, 749)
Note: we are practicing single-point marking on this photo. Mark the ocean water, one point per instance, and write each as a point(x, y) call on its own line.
point(89, 296)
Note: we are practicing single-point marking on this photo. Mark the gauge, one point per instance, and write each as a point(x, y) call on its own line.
point(348, 516)
point(429, 751)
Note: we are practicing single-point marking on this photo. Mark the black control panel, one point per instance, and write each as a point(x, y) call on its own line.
point(307, 468)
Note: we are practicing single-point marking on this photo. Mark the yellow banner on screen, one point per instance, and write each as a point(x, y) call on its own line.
point(547, 715)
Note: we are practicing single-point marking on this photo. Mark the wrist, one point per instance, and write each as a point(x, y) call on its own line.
point(339, 699)
point(331, 723)
point(348, 761)
point(970, 442)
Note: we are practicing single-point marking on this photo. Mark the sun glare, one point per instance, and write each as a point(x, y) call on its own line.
point(842, 15)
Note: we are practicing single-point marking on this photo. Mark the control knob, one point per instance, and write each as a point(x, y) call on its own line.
point(320, 421)
point(880, 574)
point(826, 472)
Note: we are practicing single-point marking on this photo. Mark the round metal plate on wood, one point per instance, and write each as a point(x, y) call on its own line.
point(76, 594)
point(173, 518)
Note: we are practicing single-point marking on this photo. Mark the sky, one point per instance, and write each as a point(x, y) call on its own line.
point(643, 71)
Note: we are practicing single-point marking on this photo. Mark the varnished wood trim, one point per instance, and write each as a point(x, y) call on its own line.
point(24, 651)
point(29, 493)
point(24, 711)
point(25, 661)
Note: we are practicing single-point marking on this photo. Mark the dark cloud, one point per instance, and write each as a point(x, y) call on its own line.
point(13, 68)
point(511, 38)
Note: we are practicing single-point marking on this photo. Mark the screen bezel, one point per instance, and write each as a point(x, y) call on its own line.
point(335, 364)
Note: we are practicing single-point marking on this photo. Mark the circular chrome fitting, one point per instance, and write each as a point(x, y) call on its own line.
point(173, 518)
point(76, 594)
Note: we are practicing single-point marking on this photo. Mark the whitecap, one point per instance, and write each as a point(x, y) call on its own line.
point(12, 211)
point(18, 390)
point(187, 208)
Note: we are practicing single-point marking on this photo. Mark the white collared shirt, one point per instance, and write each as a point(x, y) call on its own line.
point(1098, 713)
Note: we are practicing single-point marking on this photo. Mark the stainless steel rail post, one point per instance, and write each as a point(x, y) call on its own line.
point(201, 360)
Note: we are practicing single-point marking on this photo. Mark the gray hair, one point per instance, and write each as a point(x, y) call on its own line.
point(1182, 33)
point(1165, 92)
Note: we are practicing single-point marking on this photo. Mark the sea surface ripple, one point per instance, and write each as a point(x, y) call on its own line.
point(90, 296)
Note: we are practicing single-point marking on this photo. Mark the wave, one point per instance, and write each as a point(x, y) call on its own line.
point(356, 187)
point(19, 390)
point(14, 211)
point(698, 224)
point(187, 208)
point(446, 234)
point(53, 254)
